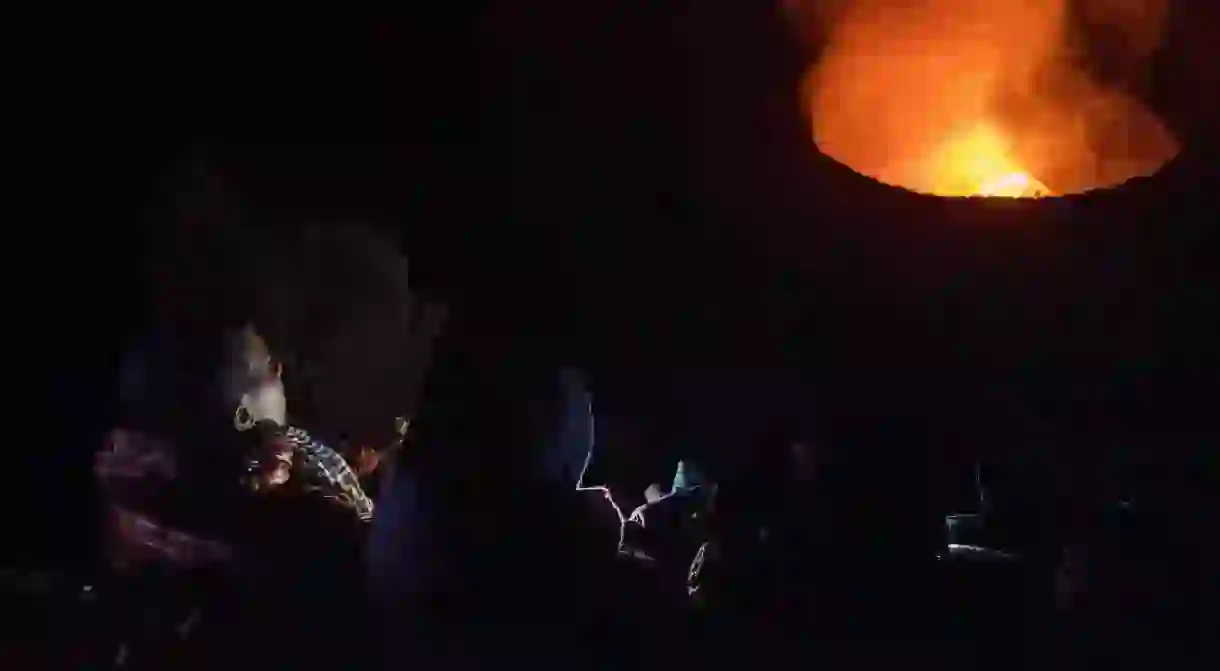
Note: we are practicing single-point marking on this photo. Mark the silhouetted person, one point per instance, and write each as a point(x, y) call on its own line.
point(206, 470)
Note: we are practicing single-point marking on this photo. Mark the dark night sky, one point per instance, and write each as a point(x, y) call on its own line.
point(629, 186)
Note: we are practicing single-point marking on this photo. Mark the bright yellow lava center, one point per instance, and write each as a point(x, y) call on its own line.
point(979, 162)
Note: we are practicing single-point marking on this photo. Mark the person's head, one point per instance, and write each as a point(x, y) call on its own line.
point(339, 313)
point(253, 380)
point(298, 323)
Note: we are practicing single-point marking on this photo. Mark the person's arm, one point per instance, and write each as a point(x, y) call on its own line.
point(157, 500)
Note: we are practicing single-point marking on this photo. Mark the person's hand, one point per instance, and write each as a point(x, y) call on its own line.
point(367, 460)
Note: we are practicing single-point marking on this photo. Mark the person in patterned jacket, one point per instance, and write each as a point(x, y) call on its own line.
point(210, 476)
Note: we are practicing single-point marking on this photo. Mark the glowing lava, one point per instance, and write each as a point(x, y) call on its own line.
point(1014, 185)
point(969, 98)
point(980, 163)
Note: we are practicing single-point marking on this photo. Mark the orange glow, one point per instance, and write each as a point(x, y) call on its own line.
point(969, 98)
point(1013, 185)
point(979, 162)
